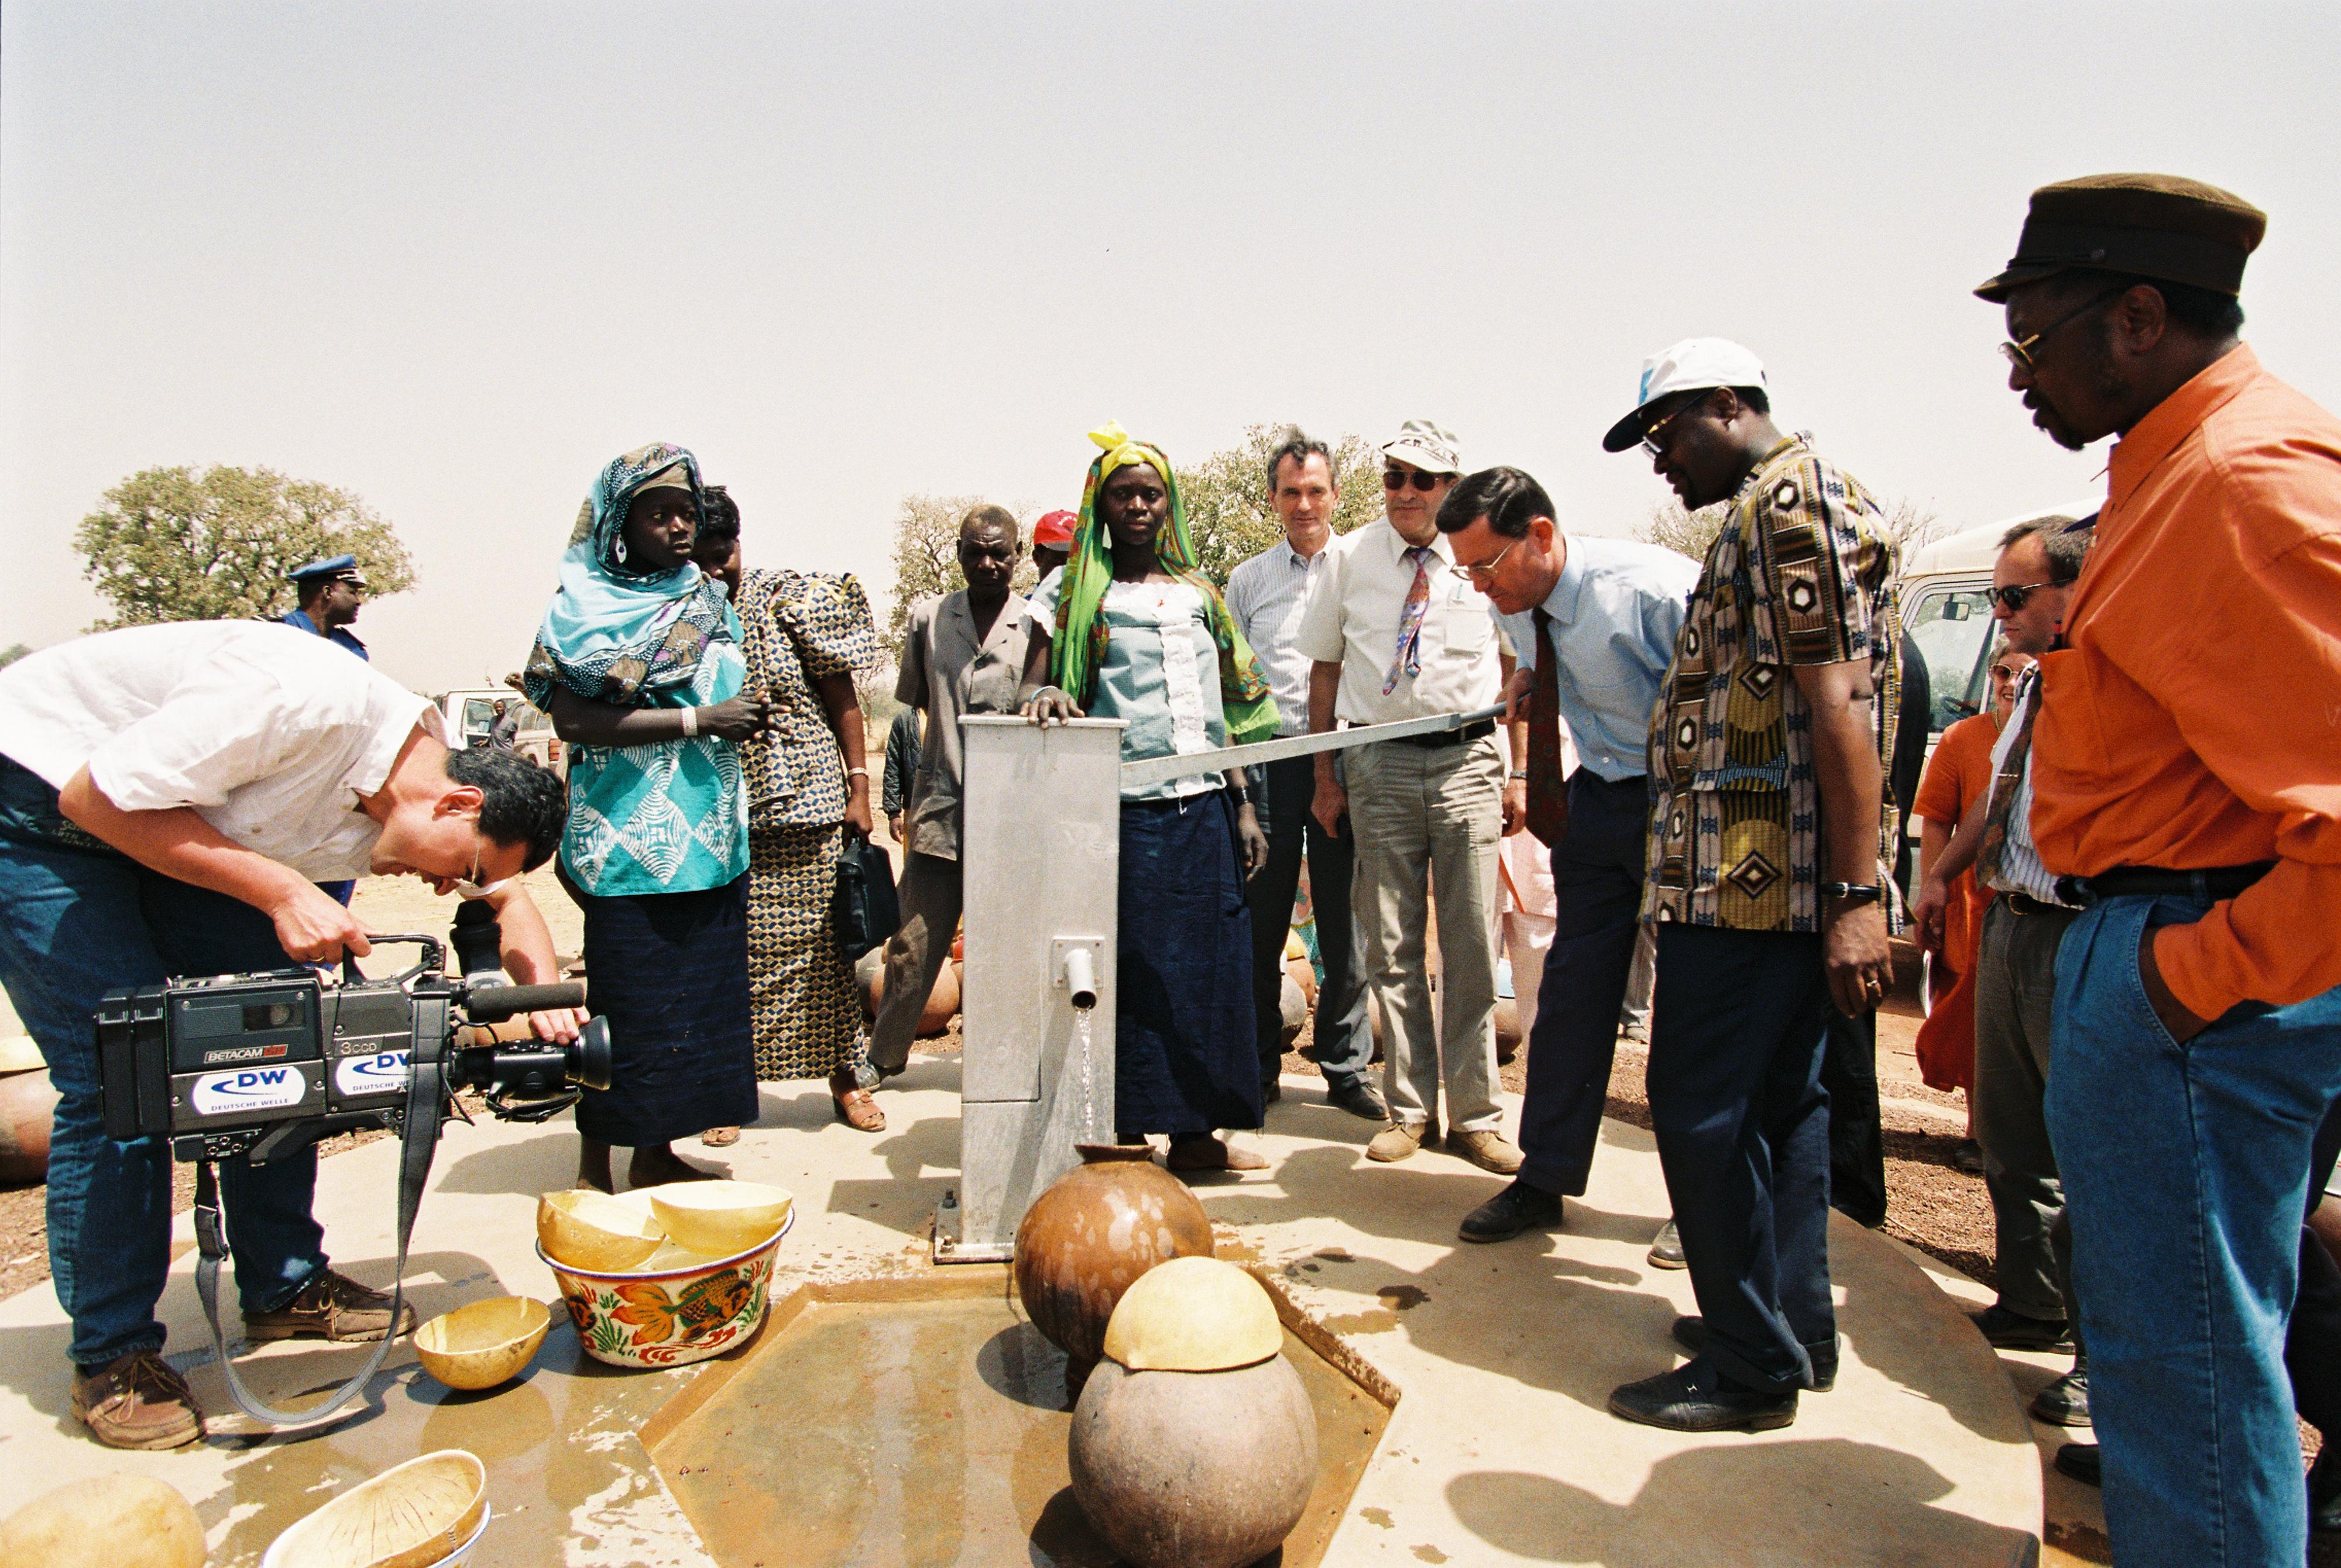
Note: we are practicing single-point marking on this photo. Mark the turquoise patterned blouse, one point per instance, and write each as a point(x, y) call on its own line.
point(667, 818)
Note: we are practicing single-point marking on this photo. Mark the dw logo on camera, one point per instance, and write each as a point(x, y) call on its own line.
point(379, 1074)
point(253, 1089)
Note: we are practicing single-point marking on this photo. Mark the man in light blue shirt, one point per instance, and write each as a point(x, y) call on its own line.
point(1266, 594)
point(1594, 622)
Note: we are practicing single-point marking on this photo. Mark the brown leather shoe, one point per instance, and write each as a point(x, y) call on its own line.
point(137, 1401)
point(1397, 1142)
point(331, 1307)
point(1487, 1148)
point(855, 1107)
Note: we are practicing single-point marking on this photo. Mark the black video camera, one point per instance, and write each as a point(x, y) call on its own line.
point(257, 1067)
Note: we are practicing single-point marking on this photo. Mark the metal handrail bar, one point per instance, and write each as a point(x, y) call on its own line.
point(1164, 769)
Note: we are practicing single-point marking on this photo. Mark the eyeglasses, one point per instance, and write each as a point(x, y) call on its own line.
point(2019, 354)
point(2012, 597)
point(1650, 436)
point(1487, 569)
point(1397, 478)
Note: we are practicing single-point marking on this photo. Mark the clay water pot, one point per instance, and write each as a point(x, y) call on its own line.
point(1508, 1029)
point(870, 974)
point(1303, 974)
point(1089, 1236)
point(1194, 1442)
point(28, 1108)
point(1295, 1008)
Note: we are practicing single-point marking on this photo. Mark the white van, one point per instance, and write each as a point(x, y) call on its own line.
point(471, 715)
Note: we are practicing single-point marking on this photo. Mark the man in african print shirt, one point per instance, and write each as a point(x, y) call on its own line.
point(1771, 845)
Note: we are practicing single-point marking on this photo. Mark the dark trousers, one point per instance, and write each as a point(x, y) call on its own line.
point(2312, 1342)
point(1596, 891)
point(1343, 1044)
point(1737, 1029)
point(1857, 1127)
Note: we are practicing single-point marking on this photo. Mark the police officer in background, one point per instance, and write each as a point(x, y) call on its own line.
point(331, 592)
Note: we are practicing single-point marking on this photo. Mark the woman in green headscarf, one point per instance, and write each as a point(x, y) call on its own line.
point(1129, 629)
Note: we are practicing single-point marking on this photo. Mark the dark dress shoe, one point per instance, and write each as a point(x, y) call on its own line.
point(1518, 1207)
point(1360, 1099)
point(2006, 1330)
point(1690, 1333)
point(1270, 1092)
point(2066, 1402)
point(2082, 1461)
point(1697, 1397)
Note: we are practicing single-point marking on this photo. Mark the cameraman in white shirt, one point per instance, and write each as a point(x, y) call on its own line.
point(170, 796)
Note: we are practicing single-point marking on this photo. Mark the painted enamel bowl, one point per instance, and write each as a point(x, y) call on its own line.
point(676, 1308)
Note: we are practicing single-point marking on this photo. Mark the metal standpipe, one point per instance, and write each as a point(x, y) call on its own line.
point(1041, 853)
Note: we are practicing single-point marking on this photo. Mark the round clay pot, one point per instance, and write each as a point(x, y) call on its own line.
point(1295, 1008)
point(1196, 1469)
point(870, 974)
point(1097, 1228)
point(1508, 1029)
point(27, 1108)
point(1303, 974)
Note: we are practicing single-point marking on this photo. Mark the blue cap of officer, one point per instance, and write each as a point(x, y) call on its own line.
point(333, 569)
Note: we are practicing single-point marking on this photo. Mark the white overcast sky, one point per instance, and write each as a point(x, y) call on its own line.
point(455, 257)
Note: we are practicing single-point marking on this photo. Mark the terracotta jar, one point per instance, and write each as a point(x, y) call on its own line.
point(27, 1106)
point(1085, 1240)
point(1194, 1442)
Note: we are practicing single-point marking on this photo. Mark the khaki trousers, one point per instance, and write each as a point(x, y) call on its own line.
point(1427, 820)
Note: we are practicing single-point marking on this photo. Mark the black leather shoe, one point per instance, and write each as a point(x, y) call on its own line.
point(1360, 1099)
point(1270, 1092)
point(2006, 1330)
point(1690, 1333)
point(2082, 1461)
point(1518, 1207)
point(2066, 1402)
point(1697, 1397)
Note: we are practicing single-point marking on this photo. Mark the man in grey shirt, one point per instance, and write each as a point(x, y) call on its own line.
point(1266, 595)
point(963, 653)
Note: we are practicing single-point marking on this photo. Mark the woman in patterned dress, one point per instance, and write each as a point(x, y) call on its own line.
point(808, 786)
point(639, 663)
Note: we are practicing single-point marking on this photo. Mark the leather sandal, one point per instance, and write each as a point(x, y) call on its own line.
point(720, 1137)
point(855, 1107)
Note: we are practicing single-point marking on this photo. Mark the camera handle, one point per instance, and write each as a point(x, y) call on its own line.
point(426, 1095)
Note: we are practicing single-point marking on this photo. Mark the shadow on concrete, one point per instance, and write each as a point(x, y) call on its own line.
point(923, 1160)
point(1831, 1501)
point(529, 1166)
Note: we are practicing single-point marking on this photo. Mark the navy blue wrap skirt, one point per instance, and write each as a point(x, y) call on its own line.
point(1186, 1058)
point(670, 973)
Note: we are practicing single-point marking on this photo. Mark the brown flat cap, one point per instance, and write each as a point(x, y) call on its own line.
point(2147, 225)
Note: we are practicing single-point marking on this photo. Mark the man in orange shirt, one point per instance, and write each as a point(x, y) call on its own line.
point(2191, 800)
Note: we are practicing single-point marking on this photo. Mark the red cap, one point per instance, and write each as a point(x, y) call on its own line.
point(1055, 529)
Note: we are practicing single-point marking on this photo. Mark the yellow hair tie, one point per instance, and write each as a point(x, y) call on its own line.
point(1120, 451)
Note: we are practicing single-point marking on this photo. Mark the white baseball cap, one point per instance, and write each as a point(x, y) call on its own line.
point(1694, 364)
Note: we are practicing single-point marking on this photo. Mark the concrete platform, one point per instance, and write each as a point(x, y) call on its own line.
point(1499, 1450)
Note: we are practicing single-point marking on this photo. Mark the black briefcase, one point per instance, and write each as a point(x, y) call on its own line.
point(863, 910)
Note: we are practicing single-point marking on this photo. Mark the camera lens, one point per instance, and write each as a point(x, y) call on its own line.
point(589, 1057)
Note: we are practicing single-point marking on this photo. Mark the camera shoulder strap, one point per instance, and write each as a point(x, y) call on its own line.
point(426, 1098)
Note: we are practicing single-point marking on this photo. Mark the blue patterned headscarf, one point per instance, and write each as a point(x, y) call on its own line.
point(617, 631)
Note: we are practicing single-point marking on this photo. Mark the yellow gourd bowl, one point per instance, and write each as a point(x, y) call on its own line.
point(484, 1344)
point(420, 1514)
point(718, 1218)
point(591, 1230)
point(1193, 1315)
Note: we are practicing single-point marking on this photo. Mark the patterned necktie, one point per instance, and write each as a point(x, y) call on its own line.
point(2003, 786)
point(1409, 619)
point(1547, 791)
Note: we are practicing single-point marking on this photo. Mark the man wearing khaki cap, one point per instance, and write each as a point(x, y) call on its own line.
point(2192, 807)
point(1395, 632)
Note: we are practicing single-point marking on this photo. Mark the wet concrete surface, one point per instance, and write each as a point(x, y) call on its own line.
point(927, 1430)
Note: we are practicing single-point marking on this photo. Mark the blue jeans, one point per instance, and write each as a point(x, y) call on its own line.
point(75, 923)
point(2186, 1174)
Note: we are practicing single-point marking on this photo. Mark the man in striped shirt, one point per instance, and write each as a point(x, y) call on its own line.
point(1266, 594)
point(2016, 978)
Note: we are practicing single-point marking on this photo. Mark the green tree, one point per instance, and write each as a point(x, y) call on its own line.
point(1226, 496)
point(13, 652)
point(926, 557)
point(171, 544)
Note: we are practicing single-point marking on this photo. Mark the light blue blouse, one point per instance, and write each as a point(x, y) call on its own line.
point(1161, 675)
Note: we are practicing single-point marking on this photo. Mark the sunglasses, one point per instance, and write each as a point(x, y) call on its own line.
point(2012, 597)
point(1397, 478)
point(1487, 569)
point(2019, 354)
point(1650, 436)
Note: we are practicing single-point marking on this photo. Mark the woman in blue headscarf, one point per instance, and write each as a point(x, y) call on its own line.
point(638, 662)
